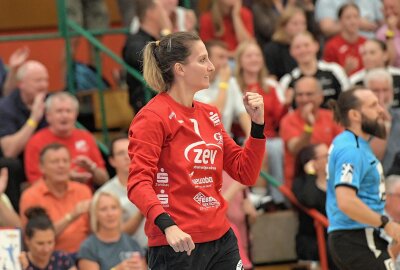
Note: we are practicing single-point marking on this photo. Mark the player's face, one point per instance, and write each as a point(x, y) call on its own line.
point(198, 68)
point(372, 115)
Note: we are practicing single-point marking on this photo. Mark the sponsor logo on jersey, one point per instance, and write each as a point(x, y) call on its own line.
point(347, 173)
point(218, 137)
point(202, 156)
point(214, 117)
point(203, 180)
point(206, 202)
point(163, 198)
point(162, 178)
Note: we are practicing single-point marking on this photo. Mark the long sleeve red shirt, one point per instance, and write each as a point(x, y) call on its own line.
point(177, 157)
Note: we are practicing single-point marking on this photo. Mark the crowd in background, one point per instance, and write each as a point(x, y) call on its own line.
point(298, 54)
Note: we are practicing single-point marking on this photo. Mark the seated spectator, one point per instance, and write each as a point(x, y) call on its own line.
point(344, 48)
point(331, 76)
point(381, 83)
point(227, 21)
point(326, 15)
point(133, 221)
point(61, 114)
point(8, 79)
point(307, 124)
point(277, 55)
point(252, 76)
point(40, 238)
point(374, 54)
point(22, 111)
point(390, 31)
point(309, 187)
point(152, 20)
point(67, 202)
point(8, 216)
point(224, 91)
point(109, 248)
point(21, 115)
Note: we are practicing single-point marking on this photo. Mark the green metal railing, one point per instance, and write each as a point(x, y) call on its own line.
point(67, 29)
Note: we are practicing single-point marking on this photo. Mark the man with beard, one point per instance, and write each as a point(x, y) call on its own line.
point(356, 187)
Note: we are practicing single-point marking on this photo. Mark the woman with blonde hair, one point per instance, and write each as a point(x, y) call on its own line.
point(108, 247)
point(277, 56)
point(178, 149)
point(227, 21)
point(252, 76)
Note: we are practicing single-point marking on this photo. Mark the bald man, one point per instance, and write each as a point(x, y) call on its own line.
point(21, 113)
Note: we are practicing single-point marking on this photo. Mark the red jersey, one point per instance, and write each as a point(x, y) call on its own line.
point(177, 157)
point(80, 142)
point(207, 31)
point(274, 110)
point(325, 130)
point(337, 49)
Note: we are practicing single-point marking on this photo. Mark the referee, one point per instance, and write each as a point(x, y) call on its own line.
point(356, 187)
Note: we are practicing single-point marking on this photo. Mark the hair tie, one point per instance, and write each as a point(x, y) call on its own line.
point(157, 43)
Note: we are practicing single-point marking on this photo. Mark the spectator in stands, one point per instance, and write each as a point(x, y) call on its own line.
point(21, 114)
point(133, 222)
point(381, 83)
point(152, 21)
point(307, 124)
point(61, 114)
point(182, 19)
point(8, 216)
point(392, 208)
point(309, 187)
point(8, 79)
point(266, 14)
point(374, 54)
point(253, 76)
point(224, 91)
point(228, 21)
point(40, 238)
point(108, 247)
point(67, 202)
point(331, 76)
point(326, 12)
point(390, 31)
point(345, 47)
point(22, 111)
point(277, 55)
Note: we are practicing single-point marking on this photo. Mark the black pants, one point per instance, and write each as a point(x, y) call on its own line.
point(221, 254)
point(16, 177)
point(359, 250)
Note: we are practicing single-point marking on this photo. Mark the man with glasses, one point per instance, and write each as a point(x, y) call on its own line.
point(307, 124)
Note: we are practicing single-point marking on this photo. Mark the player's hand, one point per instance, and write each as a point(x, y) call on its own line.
point(254, 104)
point(179, 240)
point(393, 230)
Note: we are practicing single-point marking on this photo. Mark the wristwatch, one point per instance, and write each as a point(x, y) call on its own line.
point(384, 220)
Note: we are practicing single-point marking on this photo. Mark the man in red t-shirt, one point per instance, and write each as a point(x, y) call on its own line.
point(61, 114)
point(308, 124)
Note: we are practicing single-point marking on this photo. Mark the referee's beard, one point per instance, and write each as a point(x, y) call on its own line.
point(375, 127)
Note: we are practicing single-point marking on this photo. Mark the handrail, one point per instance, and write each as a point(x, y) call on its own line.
point(320, 221)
